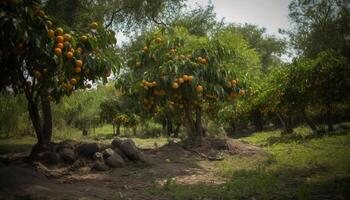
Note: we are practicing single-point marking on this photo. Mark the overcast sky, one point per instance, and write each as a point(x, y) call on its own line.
point(271, 14)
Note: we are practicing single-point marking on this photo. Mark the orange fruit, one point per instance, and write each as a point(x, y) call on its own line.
point(181, 80)
point(158, 40)
point(51, 33)
point(49, 23)
point(78, 63)
point(233, 82)
point(60, 39)
point(241, 93)
point(145, 49)
point(94, 25)
point(58, 51)
point(69, 54)
point(73, 81)
point(77, 69)
point(199, 88)
point(83, 38)
point(59, 31)
point(79, 50)
point(40, 13)
point(185, 77)
point(49, 98)
point(60, 45)
point(67, 37)
point(175, 85)
point(190, 78)
point(154, 84)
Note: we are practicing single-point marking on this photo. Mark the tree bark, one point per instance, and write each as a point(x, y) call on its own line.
point(177, 130)
point(118, 130)
point(285, 121)
point(309, 122)
point(42, 126)
point(232, 128)
point(329, 118)
point(257, 120)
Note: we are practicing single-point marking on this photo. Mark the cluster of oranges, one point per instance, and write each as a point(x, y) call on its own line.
point(146, 85)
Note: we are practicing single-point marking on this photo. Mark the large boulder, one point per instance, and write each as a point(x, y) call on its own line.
point(99, 166)
point(108, 152)
point(67, 155)
point(115, 160)
point(87, 150)
point(50, 157)
point(129, 148)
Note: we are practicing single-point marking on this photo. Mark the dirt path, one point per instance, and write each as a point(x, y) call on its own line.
point(132, 182)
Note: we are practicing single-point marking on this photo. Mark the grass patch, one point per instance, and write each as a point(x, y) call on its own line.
point(301, 166)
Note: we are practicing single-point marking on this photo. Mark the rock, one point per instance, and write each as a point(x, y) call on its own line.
point(116, 143)
point(50, 158)
point(88, 149)
point(98, 156)
point(115, 160)
point(77, 164)
point(129, 148)
point(67, 155)
point(99, 166)
point(67, 144)
point(118, 151)
point(108, 152)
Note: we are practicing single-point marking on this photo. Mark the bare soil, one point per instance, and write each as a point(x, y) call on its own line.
point(185, 166)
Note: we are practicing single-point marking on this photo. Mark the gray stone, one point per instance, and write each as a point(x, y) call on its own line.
point(99, 166)
point(116, 143)
point(98, 156)
point(114, 161)
point(88, 149)
point(118, 151)
point(108, 152)
point(67, 155)
point(78, 164)
point(129, 148)
point(50, 158)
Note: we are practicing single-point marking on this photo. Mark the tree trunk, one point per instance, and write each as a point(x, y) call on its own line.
point(285, 121)
point(232, 128)
point(118, 130)
point(42, 127)
point(329, 118)
point(198, 125)
point(190, 126)
point(257, 120)
point(113, 125)
point(309, 122)
point(134, 128)
point(169, 127)
point(177, 130)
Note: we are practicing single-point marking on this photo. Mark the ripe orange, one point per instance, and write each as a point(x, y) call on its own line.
point(77, 69)
point(175, 85)
point(73, 81)
point(94, 25)
point(40, 13)
point(185, 77)
point(181, 80)
point(78, 63)
point(68, 86)
point(83, 38)
point(145, 87)
point(60, 39)
point(145, 49)
point(199, 88)
point(154, 84)
point(69, 54)
point(51, 33)
point(60, 45)
point(58, 51)
point(59, 31)
point(67, 37)
point(158, 40)
point(190, 78)
point(241, 92)
point(233, 82)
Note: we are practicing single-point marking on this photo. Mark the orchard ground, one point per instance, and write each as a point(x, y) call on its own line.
point(297, 166)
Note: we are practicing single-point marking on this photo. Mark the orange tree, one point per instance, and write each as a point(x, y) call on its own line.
point(182, 73)
point(46, 62)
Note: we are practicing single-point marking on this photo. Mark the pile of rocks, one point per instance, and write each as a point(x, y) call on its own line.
point(98, 157)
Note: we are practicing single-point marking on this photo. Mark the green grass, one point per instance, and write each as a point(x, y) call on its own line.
point(301, 166)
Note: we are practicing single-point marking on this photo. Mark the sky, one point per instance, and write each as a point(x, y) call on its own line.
point(271, 14)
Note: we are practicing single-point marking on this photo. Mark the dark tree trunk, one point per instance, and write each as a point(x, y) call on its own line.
point(258, 120)
point(169, 127)
point(177, 130)
point(134, 130)
point(309, 122)
point(199, 125)
point(118, 130)
point(286, 123)
point(329, 117)
point(232, 128)
point(113, 125)
point(42, 126)
point(190, 126)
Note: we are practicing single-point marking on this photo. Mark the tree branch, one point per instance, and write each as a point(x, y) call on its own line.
point(113, 15)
